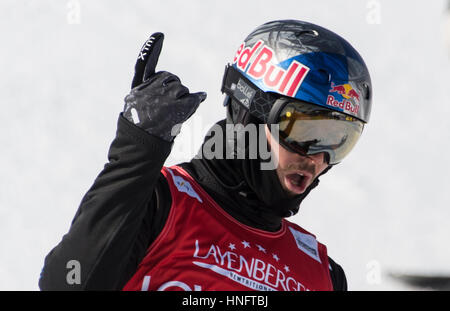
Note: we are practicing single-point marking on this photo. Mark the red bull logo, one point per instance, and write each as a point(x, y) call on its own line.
point(348, 93)
point(345, 90)
point(284, 81)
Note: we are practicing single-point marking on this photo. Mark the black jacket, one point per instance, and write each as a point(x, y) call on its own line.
point(123, 213)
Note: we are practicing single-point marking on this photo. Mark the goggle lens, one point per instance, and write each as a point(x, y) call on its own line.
point(308, 129)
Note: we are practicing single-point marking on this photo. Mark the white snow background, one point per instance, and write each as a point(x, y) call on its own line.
point(67, 65)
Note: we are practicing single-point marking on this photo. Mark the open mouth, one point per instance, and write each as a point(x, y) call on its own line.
point(297, 182)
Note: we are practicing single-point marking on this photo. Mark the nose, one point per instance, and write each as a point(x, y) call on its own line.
point(317, 159)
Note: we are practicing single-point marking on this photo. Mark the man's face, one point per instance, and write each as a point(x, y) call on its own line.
point(296, 172)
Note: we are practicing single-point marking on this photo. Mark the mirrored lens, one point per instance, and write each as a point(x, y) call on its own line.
point(309, 129)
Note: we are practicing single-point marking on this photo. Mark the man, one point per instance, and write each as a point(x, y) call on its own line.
point(218, 221)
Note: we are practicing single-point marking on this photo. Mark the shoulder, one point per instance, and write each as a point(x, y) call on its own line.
point(337, 276)
point(306, 238)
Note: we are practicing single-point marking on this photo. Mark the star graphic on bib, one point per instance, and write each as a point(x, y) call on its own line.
point(275, 257)
point(260, 248)
point(232, 246)
point(246, 244)
point(286, 268)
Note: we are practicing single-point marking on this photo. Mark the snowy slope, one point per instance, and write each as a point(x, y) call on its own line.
point(67, 65)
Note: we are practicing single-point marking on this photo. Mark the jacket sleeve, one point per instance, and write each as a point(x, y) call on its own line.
point(109, 219)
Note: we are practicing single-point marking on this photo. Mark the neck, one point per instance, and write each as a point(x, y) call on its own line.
point(232, 194)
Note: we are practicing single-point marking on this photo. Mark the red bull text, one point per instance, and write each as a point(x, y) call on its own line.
point(348, 93)
point(285, 81)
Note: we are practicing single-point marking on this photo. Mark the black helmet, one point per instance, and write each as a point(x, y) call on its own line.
point(289, 61)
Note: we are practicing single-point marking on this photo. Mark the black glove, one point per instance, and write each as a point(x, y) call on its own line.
point(158, 102)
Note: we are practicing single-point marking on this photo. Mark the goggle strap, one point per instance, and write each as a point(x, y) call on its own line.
point(243, 91)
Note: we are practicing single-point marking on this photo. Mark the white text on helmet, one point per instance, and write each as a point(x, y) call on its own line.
point(273, 77)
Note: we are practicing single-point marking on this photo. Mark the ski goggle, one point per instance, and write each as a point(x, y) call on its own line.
point(310, 129)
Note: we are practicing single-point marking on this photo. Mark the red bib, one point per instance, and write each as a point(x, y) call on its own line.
point(203, 248)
